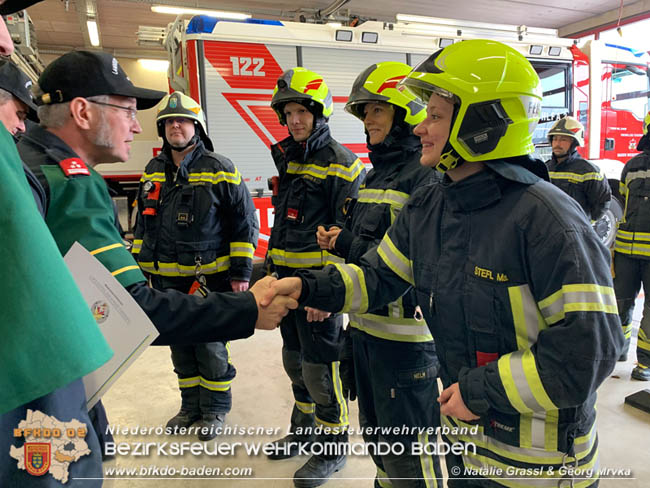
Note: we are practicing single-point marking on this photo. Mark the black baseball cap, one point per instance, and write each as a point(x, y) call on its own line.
point(11, 6)
point(18, 84)
point(87, 74)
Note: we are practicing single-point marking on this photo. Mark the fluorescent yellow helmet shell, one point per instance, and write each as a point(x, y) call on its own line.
point(569, 127)
point(646, 123)
point(497, 94)
point(302, 86)
point(378, 83)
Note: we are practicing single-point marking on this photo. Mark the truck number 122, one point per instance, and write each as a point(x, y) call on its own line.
point(241, 66)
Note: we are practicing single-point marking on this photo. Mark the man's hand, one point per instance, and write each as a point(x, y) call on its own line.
point(238, 285)
point(270, 314)
point(327, 238)
point(291, 287)
point(315, 315)
point(452, 404)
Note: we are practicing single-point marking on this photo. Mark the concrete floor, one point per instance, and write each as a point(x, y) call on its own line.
point(146, 396)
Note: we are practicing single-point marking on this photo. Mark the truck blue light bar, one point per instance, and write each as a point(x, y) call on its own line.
point(203, 24)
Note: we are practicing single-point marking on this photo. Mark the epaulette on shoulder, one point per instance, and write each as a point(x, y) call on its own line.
point(74, 167)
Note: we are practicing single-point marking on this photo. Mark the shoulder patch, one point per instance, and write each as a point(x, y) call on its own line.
point(74, 167)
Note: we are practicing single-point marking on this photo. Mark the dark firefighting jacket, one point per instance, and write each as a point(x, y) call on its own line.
point(516, 289)
point(202, 217)
point(79, 208)
point(396, 172)
point(633, 235)
point(317, 180)
point(583, 181)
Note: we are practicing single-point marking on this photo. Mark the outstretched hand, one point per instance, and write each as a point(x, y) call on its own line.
point(290, 287)
point(271, 306)
point(316, 315)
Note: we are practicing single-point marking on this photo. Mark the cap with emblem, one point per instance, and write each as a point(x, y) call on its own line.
point(18, 84)
point(11, 6)
point(62, 80)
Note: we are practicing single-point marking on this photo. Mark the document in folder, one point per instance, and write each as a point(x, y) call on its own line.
point(126, 328)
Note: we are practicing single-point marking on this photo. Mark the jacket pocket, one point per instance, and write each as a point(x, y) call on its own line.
point(205, 252)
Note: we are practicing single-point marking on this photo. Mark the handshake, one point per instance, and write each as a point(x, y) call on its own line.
point(276, 297)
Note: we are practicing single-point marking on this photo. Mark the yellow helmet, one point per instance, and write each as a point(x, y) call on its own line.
point(179, 105)
point(570, 127)
point(646, 123)
point(304, 87)
point(497, 96)
point(378, 83)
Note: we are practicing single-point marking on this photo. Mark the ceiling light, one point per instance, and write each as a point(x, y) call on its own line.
point(335, 24)
point(154, 64)
point(164, 9)
point(421, 19)
point(93, 33)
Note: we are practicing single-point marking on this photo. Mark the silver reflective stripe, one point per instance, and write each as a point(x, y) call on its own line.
point(296, 259)
point(526, 316)
point(392, 328)
point(356, 294)
point(395, 260)
point(390, 197)
point(635, 175)
point(578, 297)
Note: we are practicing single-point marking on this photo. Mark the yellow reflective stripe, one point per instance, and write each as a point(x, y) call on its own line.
point(137, 246)
point(400, 329)
point(310, 259)
point(631, 248)
point(356, 293)
point(575, 177)
point(393, 198)
point(214, 385)
point(627, 331)
point(347, 173)
point(321, 172)
point(339, 426)
point(635, 175)
point(344, 418)
point(521, 381)
point(622, 188)
point(395, 260)
point(578, 298)
point(189, 382)
point(642, 342)
point(153, 177)
point(427, 464)
point(242, 250)
point(107, 248)
point(551, 424)
point(583, 445)
point(216, 177)
point(174, 269)
point(383, 479)
point(526, 316)
point(329, 258)
point(228, 352)
point(305, 407)
point(125, 269)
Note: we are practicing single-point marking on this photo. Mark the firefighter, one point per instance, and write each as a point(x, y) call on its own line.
point(196, 231)
point(632, 253)
point(317, 178)
point(392, 347)
point(511, 279)
point(573, 175)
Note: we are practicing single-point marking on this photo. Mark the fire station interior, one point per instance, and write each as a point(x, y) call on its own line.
point(147, 395)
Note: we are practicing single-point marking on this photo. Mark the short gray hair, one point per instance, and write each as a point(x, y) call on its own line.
point(5, 96)
point(55, 115)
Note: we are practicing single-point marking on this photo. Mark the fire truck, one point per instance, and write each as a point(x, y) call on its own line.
point(231, 68)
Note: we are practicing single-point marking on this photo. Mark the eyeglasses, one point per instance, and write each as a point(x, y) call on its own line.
point(132, 111)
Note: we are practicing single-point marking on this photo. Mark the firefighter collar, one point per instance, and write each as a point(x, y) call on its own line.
point(472, 193)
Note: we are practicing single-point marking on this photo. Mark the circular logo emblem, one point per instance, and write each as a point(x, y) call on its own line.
point(147, 186)
point(99, 310)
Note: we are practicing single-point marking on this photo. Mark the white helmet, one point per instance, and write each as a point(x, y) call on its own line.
point(570, 127)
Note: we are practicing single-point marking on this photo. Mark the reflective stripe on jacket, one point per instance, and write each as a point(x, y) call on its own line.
point(633, 235)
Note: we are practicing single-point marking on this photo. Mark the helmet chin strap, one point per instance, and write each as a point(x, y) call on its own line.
point(449, 159)
point(191, 142)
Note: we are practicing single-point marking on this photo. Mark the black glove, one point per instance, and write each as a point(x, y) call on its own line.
point(346, 368)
